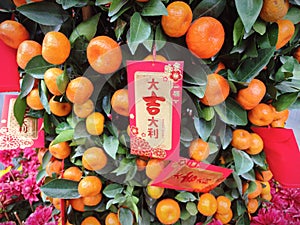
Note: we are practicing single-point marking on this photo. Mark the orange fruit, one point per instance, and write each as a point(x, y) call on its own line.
point(104, 54)
point(95, 123)
point(84, 109)
point(79, 90)
point(273, 10)
point(119, 102)
point(92, 200)
point(33, 100)
point(154, 168)
point(256, 192)
point(60, 150)
point(168, 211)
point(207, 204)
point(13, 33)
point(159, 58)
point(296, 54)
point(94, 158)
point(154, 192)
point(286, 30)
point(54, 167)
point(26, 51)
point(223, 204)
point(89, 186)
point(264, 175)
point(267, 197)
point(141, 164)
point(112, 219)
point(217, 90)
point(266, 188)
point(198, 150)
point(77, 204)
point(22, 2)
point(205, 37)
point(252, 205)
point(56, 47)
point(50, 77)
point(59, 108)
point(251, 96)
point(280, 118)
point(56, 203)
point(261, 115)
point(256, 146)
point(178, 20)
point(224, 218)
point(72, 173)
point(220, 67)
point(41, 153)
point(90, 220)
point(241, 139)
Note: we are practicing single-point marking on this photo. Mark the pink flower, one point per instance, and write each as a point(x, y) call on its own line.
point(267, 216)
point(8, 223)
point(7, 156)
point(30, 189)
point(41, 216)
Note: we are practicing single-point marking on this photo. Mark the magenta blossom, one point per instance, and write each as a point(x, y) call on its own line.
point(30, 189)
point(8, 223)
point(269, 216)
point(7, 156)
point(41, 216)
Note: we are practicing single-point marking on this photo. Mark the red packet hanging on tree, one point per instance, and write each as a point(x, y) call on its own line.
point(9, 74)
point(282, 154)
point(190, 175)
point(155, 90)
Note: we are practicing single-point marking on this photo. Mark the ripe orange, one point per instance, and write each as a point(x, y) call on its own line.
point(154, 192)
point(252, 205)
point(217, 90)
point(296, 54)
point(261, 115)
point(56, 203)
point(13, 33)
point(207, 204)
point(241, 139)
point(280, 118)
point(256, 192)
point(286, 30)
point(154, 168)
point(77, 204)
point(141, 164)
point(72, 173)
point(256, 146)
point(60, 150)
point(56, 47)
point(251, 96)
point(90, 220)
point(198, 150)
point(59, 108)
point(264, 175)
point(95, 123)
point(41, 153)
point(89, 186)
point(79, 90)
point(94, 158)
point(112, 219)
point(104, 54)
point(119, 102)
point(33, 100)
point(224, 218)
point(22, 2)
point(83, 110)
point(92, 200)
point(205, 37)
point(50, 77)
point(54, 167)
point(26, 51)
point(266, 188)
point(168, 211)
point(274, 10)
point(178, 20)
point(267, 197)
point(223, 204)
point(159, 58)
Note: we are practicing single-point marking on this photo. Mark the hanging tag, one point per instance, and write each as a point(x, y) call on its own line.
point(155, 90)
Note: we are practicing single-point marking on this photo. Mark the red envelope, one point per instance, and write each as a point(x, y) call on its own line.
point(9, 74)
point(282, 154)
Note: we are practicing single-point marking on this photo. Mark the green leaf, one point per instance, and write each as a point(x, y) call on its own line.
point(37, 66)
point(80, 131)
point(260, 27)
point(120, 27)
point(186, 134)
point(131, 173)
point(86, 28)
point(115, 6)
point(250, 175)
point(204, 128)
point(238, 182)
point(225, 136)
point(27, 85)
point(43, 92)
point(249, 11)
point(196, 74)
point(66, 4)
point(102, 2)
point(110, 145)
point(62, 127)
point(124, 166)
point(208, 113)
point(251, 67)
point(160, 38)
point(287, 69)
point(259, 159)
point(111, 190)
point(198, 91)
point(139, 31)
point(117, 15)
point(243, 219)
point(45, 13)
point(242, 161)
point(62, 82)
point(191, 220)
point(149, 42)
point(61, 188)
point(293, 15)
point(125, 216)
point(231, 112)
point(66, 135)
point(238, 31)
point(212, 8)
point(20, 109)
point(191, 207)
point(154, 8)
point(285, 100)
point(185, 197)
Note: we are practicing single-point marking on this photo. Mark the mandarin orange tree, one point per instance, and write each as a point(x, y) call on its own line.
point(77, 83)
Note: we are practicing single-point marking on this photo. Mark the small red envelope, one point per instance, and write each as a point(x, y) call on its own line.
point(282, 154)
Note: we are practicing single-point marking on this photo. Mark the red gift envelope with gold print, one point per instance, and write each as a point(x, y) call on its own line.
point(155, 90)
point(12, 136)
point(190, 175)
